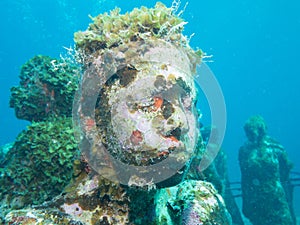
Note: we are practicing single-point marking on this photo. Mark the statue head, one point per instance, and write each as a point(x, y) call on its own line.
point(255, 129)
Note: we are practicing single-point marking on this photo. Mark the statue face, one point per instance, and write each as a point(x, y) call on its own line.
point(255, 129)
point(137, 111)
point(150, 117)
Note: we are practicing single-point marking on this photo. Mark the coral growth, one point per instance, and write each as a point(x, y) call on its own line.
point(39, 164)
point(3, 151)
point(191, 202)
point(90, 199)
point(47, 87)
point(115, 29)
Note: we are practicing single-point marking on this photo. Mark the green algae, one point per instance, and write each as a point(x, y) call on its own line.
point(39, 164)
point(47, 87)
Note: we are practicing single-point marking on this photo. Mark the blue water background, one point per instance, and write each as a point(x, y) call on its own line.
point(255, 46)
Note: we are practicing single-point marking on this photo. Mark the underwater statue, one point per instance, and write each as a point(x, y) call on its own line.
point(265, 169)
point(136, 125)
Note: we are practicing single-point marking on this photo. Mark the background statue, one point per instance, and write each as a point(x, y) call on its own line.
point(265, 169)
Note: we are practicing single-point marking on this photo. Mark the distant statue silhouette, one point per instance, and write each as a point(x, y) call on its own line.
point(265, 169)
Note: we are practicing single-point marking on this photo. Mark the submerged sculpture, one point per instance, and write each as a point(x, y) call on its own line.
point(265, 168)
point(138, 93)
point(136, 125)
